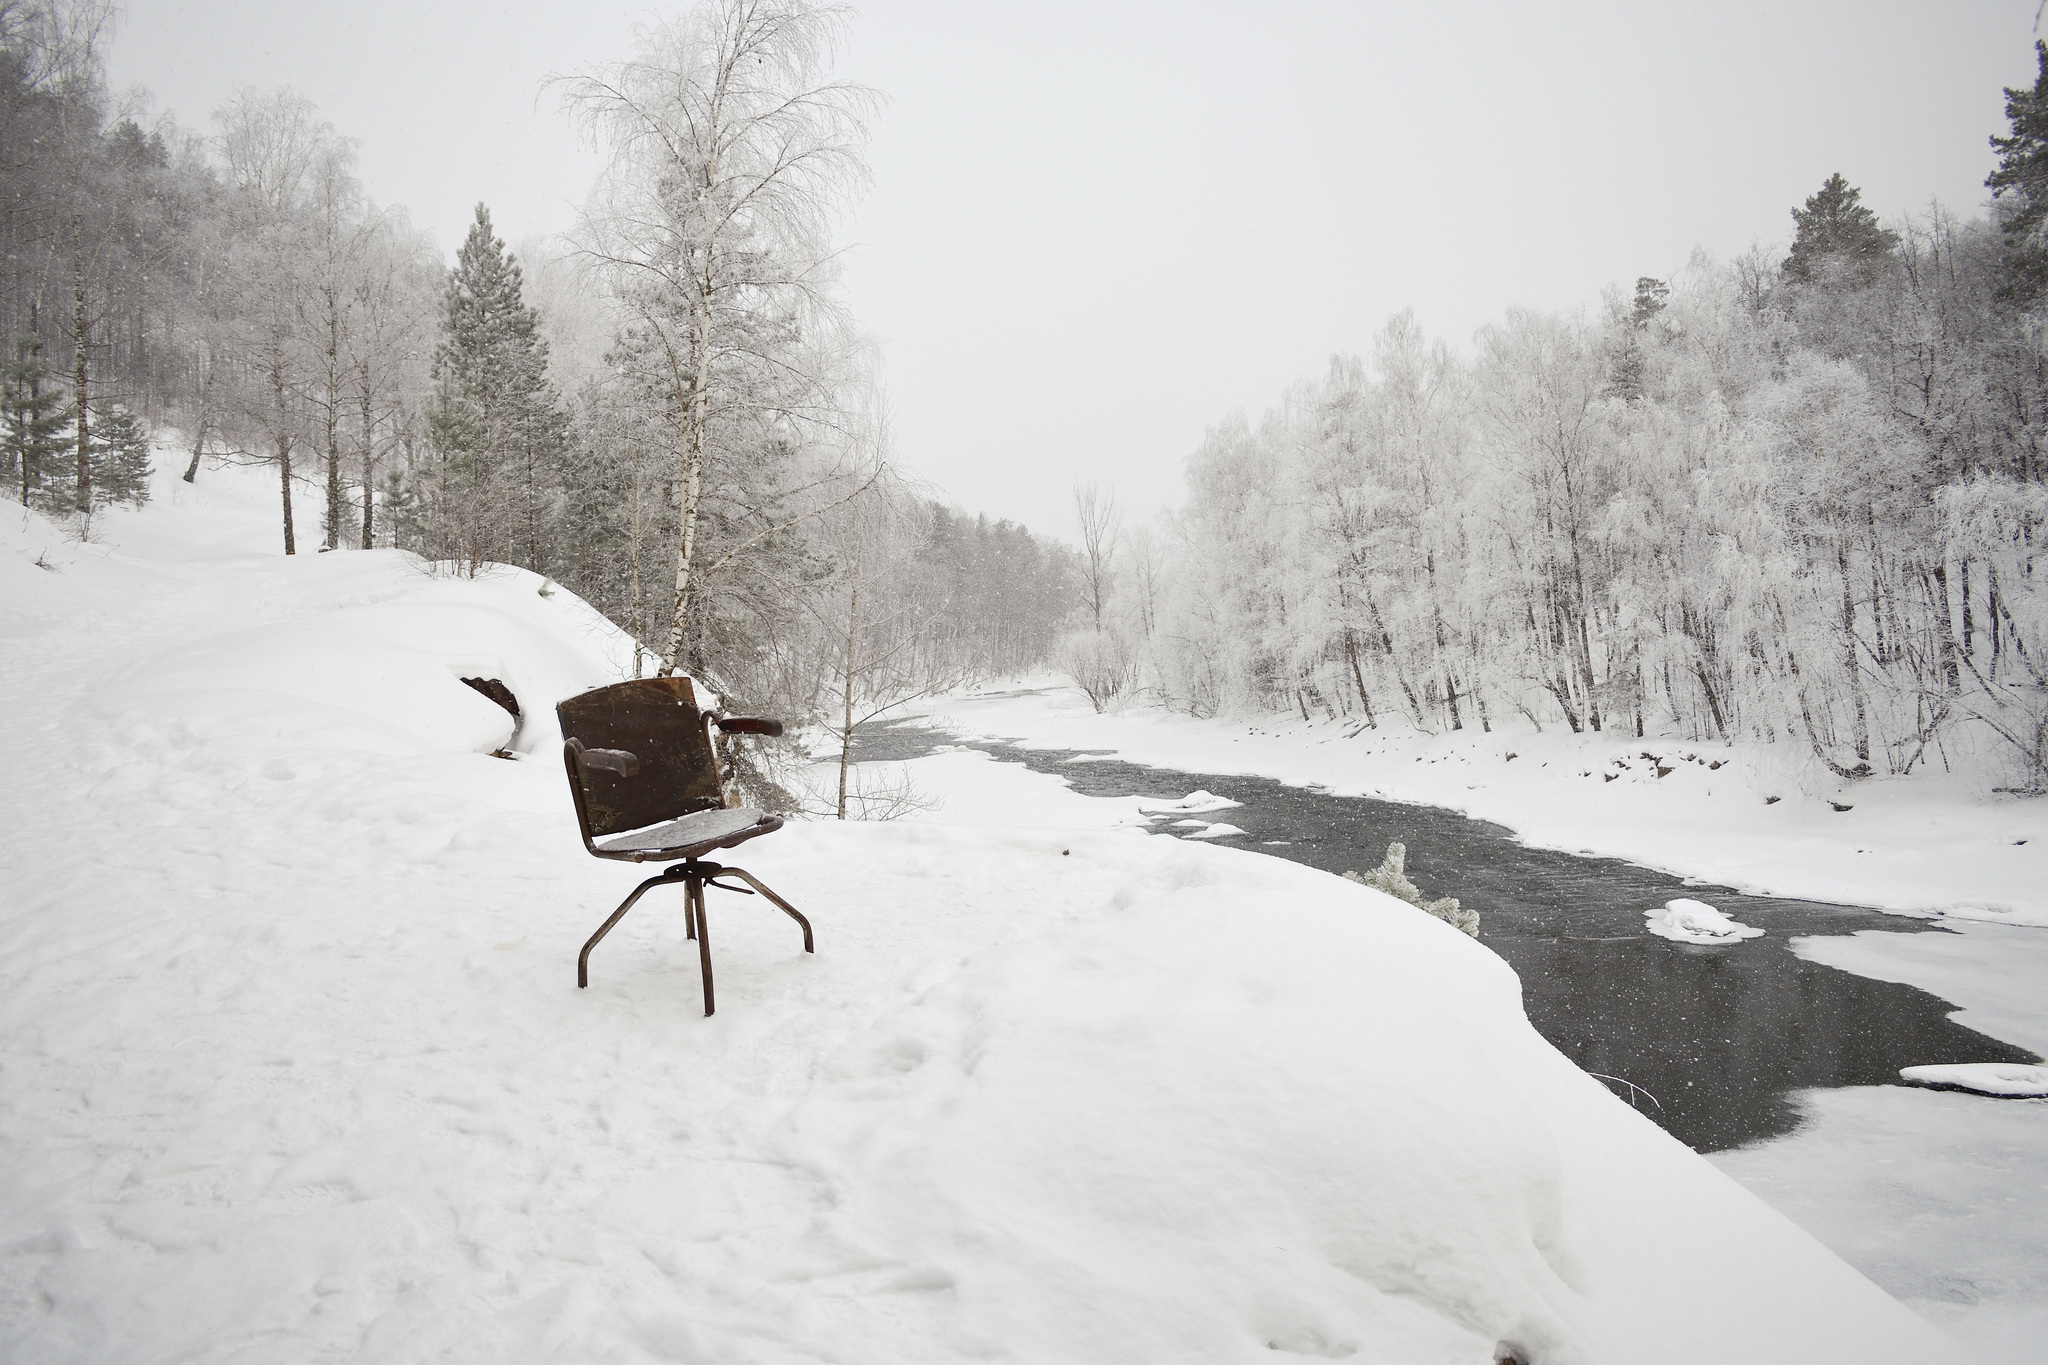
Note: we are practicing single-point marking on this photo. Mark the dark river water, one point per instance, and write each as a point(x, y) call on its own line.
point(1713, 1039)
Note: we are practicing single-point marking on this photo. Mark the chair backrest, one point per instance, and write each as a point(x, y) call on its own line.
point(657, 720)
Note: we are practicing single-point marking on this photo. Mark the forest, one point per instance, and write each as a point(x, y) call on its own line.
point(1795, 497)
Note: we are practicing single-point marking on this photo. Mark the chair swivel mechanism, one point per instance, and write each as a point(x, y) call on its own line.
point(644, 777)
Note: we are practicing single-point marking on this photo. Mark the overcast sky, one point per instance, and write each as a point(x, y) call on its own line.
point(1097, 228)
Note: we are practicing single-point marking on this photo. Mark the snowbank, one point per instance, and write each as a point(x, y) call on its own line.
point(295, 1067)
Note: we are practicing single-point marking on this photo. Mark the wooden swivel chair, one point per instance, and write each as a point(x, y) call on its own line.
point(644, 777)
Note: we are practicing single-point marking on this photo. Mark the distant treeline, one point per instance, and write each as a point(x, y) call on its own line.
point(1796, 497)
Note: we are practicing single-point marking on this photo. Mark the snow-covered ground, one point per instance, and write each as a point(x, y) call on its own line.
point(293, 1066)
point(1935, 843)
point(1941, 1198)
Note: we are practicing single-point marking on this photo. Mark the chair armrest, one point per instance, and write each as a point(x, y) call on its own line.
point(749, 725)
point(610, 761)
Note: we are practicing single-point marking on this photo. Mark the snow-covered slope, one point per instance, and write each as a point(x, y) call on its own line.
point(293, 1065)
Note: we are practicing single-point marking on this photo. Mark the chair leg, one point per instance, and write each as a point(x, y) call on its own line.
point(583, 958)
point(693, 914)
point(751, 880)
point(703, 942)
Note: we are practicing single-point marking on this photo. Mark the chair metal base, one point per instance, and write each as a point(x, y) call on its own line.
point(694, 875)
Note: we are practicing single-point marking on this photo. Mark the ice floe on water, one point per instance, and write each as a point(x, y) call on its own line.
point(2005, 1079)
point(1215, 832)
point(1691, 921)
point(1191, 804)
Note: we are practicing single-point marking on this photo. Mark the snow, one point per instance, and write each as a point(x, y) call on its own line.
point(1193, 802)
point(1691, 921)
point(1983, 1078)
point(1936, 843)
point(294, 1066)
point(1216, 831)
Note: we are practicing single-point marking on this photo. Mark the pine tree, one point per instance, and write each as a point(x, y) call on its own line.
point(494, 418)
point(33, 426)
point(2020, 185)
point(119, 458)
point(1835, 230)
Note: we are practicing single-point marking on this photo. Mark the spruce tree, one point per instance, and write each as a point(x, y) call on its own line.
point(2020, 185)
point(119, 458)
point(1838, 237)
point(34, 425)
point(495, 419)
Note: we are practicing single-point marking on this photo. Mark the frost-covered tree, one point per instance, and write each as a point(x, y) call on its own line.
point(272, 145)
point(730, 149)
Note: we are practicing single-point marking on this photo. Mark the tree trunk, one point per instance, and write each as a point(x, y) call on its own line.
point(1937, 592)
point(332, 528)
point(78, 326)
point(284, 450)
point(1358, 676)
point(846, 714)
point(369, 462)
point(1850, 663)
point(699, 412)
point(284, 477)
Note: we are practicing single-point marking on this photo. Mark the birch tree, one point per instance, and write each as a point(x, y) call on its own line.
point(729, 150)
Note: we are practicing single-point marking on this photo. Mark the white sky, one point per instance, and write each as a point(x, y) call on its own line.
point(1097, 228)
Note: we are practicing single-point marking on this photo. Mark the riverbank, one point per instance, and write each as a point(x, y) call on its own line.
point(1937, 844)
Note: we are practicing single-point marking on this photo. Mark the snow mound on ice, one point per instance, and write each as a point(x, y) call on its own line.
point(1690, 921)
point(1215, 832)
point(1191, 804)
point(1984, 1078)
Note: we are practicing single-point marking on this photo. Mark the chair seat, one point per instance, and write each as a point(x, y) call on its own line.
point(699, 832)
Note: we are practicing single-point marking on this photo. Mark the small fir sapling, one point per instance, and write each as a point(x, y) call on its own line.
point(120, 457)
point(1392, 878)
point(34, 423)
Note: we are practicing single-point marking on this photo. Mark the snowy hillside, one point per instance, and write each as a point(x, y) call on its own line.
point(293, 1066)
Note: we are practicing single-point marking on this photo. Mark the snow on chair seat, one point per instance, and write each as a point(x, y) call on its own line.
point(701, 832)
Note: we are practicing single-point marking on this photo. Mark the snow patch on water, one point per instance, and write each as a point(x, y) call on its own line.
point(1193, 803)
point(1691, 921)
